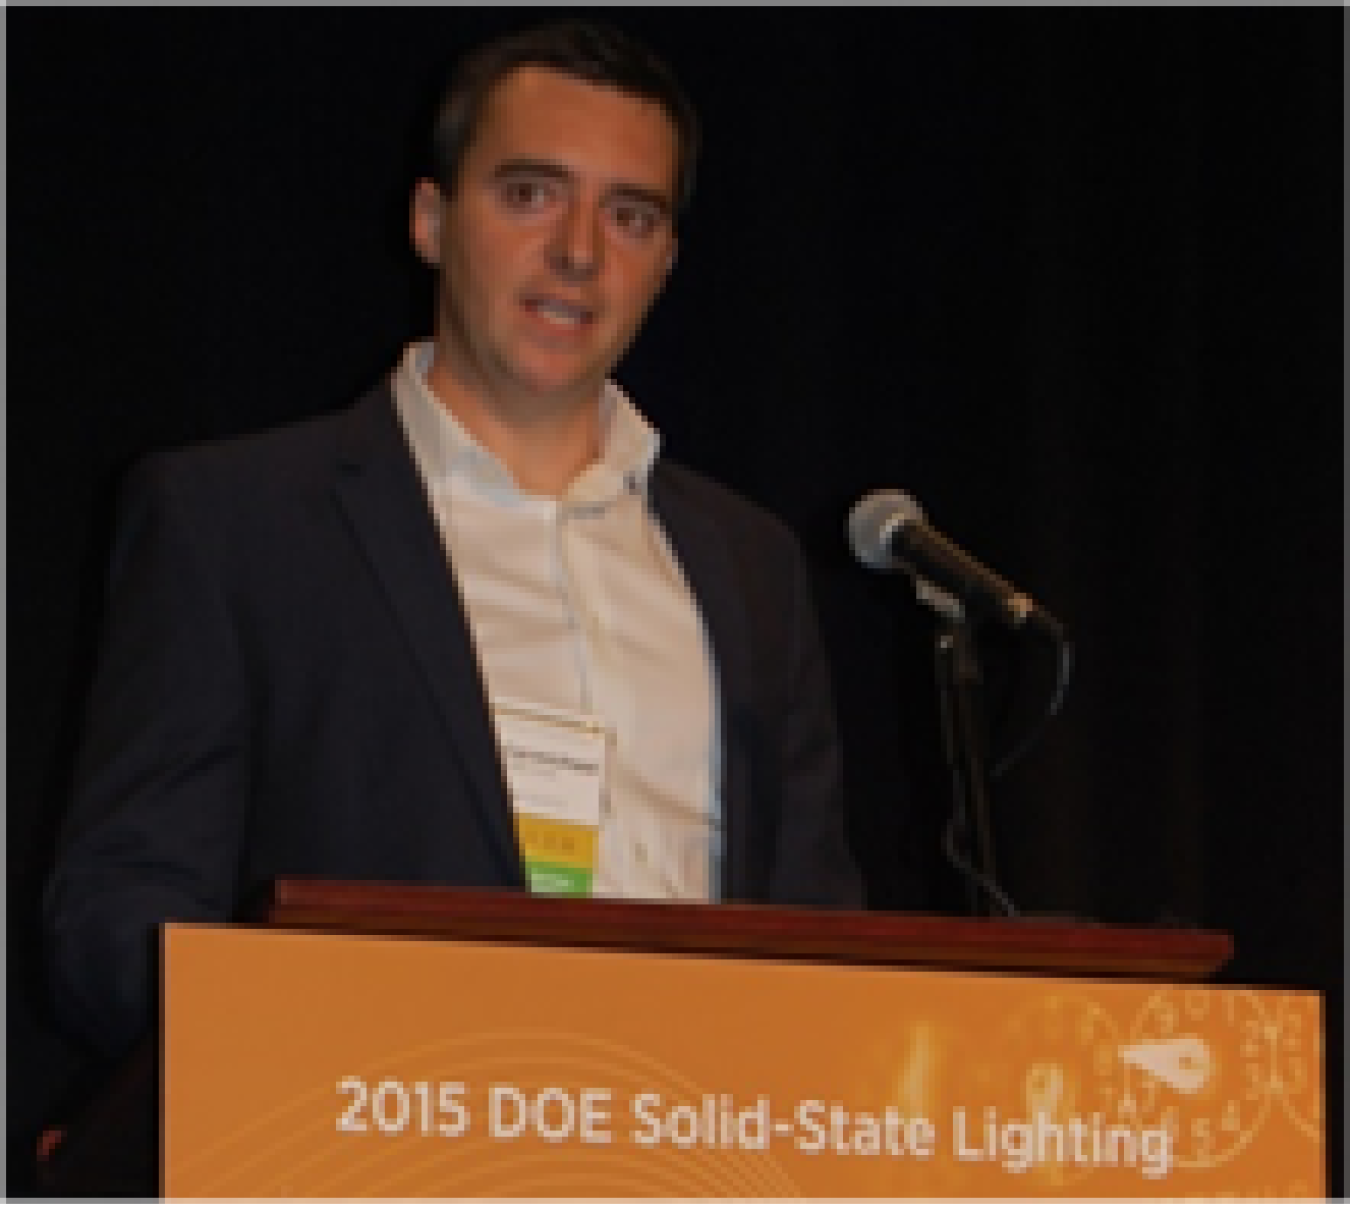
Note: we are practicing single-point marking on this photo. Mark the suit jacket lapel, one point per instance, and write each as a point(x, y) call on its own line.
point(379, 490)
point(710, 569)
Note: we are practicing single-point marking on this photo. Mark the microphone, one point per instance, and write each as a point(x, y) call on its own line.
point(887, 530)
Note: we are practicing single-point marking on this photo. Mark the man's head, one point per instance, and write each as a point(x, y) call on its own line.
point(594, 53)
point(563, 157)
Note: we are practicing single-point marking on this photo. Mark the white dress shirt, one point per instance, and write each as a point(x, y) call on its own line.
point(579, 604)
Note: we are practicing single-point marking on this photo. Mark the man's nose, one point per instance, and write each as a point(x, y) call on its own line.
point(576, 248)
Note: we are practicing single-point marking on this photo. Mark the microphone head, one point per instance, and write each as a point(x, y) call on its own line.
point(873, 522)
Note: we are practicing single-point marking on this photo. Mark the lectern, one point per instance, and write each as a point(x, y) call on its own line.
point(377, 1042)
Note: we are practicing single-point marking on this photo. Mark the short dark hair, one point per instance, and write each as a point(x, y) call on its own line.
point(589, 51)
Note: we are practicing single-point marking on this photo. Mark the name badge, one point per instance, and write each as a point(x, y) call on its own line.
point(555, 769)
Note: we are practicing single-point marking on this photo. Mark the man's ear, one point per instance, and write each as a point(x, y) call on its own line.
point(425, 223)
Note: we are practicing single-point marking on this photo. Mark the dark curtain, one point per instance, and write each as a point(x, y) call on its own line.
point(1070, 277)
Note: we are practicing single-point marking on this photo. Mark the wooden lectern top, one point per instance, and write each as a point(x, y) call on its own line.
point(745, 930)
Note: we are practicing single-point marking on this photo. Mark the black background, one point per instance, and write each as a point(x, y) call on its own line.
point(1071, 277)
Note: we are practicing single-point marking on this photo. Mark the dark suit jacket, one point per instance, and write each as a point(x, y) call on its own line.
point(288, 688)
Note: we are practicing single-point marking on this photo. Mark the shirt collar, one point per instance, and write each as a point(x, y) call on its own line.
point(443, 448)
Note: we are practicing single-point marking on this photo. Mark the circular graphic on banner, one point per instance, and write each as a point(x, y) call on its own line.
point(1200, 1065)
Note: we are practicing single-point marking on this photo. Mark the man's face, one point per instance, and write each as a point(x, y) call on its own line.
point(556, 240)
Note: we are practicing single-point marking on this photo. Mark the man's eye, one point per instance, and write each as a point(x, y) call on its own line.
point(636, 220)
point(524, 195)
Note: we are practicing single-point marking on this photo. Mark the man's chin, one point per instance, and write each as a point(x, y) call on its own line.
point(559, 390)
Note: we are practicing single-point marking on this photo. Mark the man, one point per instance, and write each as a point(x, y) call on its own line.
point(345, 649)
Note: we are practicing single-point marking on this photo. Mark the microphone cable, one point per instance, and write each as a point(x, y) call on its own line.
point(1037, 728)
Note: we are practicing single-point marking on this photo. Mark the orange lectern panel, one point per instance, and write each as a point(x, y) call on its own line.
point(327, 1066)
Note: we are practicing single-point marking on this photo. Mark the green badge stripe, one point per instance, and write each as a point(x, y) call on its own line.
point(549, 878)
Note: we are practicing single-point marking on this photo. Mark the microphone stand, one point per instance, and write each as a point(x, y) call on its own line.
point(958, 682)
